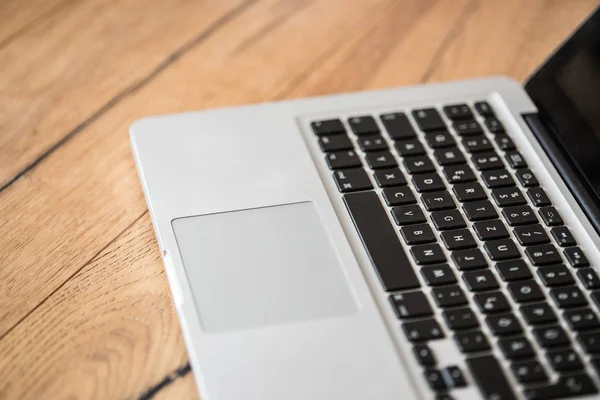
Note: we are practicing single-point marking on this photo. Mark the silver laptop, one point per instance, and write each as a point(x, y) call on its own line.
point(429, 242)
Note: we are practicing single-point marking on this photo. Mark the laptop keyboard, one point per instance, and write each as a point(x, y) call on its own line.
point(437, 201)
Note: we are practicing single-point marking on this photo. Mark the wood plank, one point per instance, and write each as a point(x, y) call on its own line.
point(18, 16)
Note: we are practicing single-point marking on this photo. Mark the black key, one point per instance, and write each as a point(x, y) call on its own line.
point(531, 234)
point(428, 119)
point(581, 319)
point(466, 128)
point(543, 254)
point(563, 236)
point(480, 280)
point(472, 341)
point(398, 126)
point(409, 147)
point(460, 318)
point(469, 259)
point(568, 297)
point(437, 201)
point(550, 216)
point(525, 291)
point(449, 156)
point(335, 143)
point(590, 341)
point(418, 165)
point(589, 278)
point(439, 139)
point(453, 377)
point(458, 239)
point(516, 347)
point(469, 192)
point(477, 144)
point(503, 324)
point(372, 143)
point(435, 379)
point(351, 180)
point(515, 159)
point(428, 254)
point(437, 275)
point(487, 160)
point(343, 159)
point(519, 215)
point(417, 234)
point(530, 371)
point(506, 197)
point(410, 305)
point(490, 378)
point(407, 215)
point(538, 197)
point(428, 182)
point(492, 302)
point(596, 364)
point(526, 178)
point(494, 125)
point(480, 210)
point(566, 386)
point(448, 219)
point(327, 127)
point(538, 314)
point(497, 178)
point(425, 329)
point(458, 111)
point(399, 196)
point(596, 297)
point(555, 275)
point(484, 109)
point(459, 174)
point(490, 230)
point(363, 125)
point(576, 257)
point(514, 270)
point(504, 142)
point(564, 360)
point(501, 249)
point(424, 355)
point(551, 336)
point(380, 159)
point(381, 242)
point(389, 177)
point(449, 296)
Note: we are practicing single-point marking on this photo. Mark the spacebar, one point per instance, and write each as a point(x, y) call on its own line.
point(381, 242)
point(490, 378)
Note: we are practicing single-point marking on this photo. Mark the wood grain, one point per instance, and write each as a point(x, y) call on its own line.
point(18, 16)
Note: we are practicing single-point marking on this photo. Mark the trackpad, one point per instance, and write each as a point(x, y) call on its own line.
point(262, 266)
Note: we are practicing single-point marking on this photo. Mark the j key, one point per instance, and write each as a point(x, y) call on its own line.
point(459, 174)
point(506, 197)
point(343, 159)
point(555, 275)
point(466, 128)
point(490, 230)
point(428, 254)
point(449, 296)
point(550, 216)
point(364, 125)
point(564, 360)
point(460, 318)
point(458, 111)
point(486, 161)
point(515, 159)
point(380, 159)
point(458, 239)
point(424, 355)
point(417, 234)
point(530, 371)
point(389, 177)
point(516, 347)
point(410, 305)
point(526, 178)
point(372, 143)
point(418, 165)
point(576, 257)
point(551, 336)
point(477, 144)
point(448, 219)
point(490, 378)
point(504, 142)
point(492, 302)
point(428, 182)
point(497, 178)
point(566, 386)
point(501, 249)
point(589, 278)
point(335, 143)
point(568, 297)
point(407, 215)
point(351, 180)
point(538, 314)
point(563, 236)
point(480, 210)
point(494, 125)
point(428, 119)
point(449, 156)
point(484, 109)
point(437, 201)
point(399, 196)
point(503, 324)
point(472, 341)
point(531, 234)
point(398, 126)
point(525, 291)
point(439, 139)
point(453, 377)
point(422, 330)
point(435, 379)
point(538, 197)
point(469, 259)
point(409, 147)
point(514, 270)
point(327, 127)
point(581, 319)
point(590, 341)
point(480, 280)
point(543, 254)
point(469, 192)
point(437, 275)
point(519, 215)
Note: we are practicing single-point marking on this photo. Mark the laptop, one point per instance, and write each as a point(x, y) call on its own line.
point(430, 242)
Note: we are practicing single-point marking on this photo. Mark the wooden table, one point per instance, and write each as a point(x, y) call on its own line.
point(85, 310)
